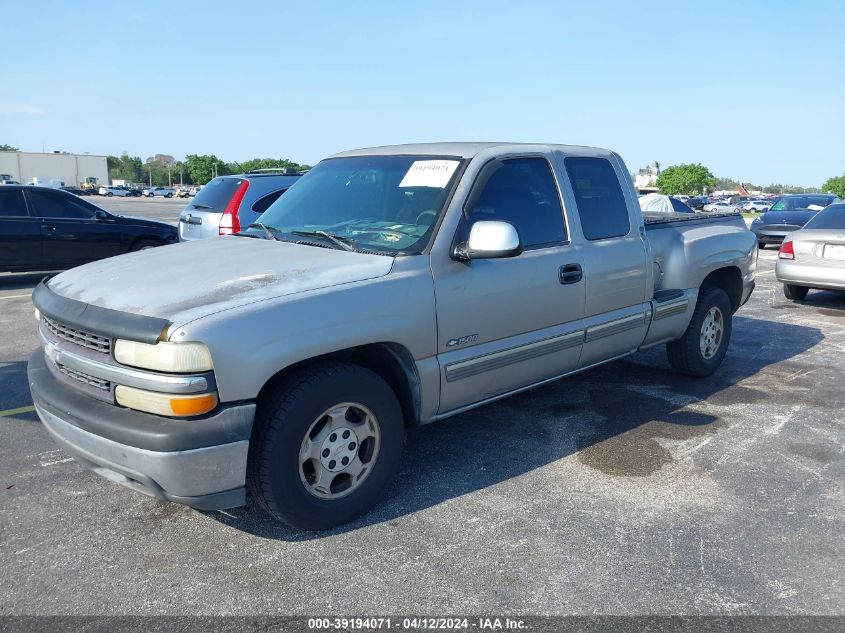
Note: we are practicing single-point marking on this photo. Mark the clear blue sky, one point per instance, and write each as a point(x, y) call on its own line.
point(754, 90)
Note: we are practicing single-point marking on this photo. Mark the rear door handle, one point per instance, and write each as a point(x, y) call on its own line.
point(570, 274)
point(48, 227)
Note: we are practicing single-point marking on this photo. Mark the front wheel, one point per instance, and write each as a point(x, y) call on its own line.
point(700, 351)
point(795, 293)
point(326, 444)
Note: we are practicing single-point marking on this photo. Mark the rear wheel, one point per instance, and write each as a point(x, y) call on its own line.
point(700, 351)
point(761, 245)
point(795, 293)
point(326, 445)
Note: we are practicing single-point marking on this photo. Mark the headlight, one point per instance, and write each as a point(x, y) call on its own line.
point(37, 315)
point(164, 403)
point(170, 357)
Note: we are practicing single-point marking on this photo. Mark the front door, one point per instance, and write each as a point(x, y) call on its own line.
point(507, 323)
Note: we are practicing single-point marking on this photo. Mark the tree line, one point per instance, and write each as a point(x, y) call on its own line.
point(695, 178)
point(163, 170)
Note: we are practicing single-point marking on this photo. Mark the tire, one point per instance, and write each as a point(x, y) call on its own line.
point(687, 355)
point(109, 194)
point(168, 195)
point(761, 245)
point(795, 293)
point(281, 480)
point(142, 245)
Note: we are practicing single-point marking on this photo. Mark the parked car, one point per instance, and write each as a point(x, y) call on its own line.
point(113, 191)
point(698, 202)
point(721, 206)
point(760, 206)
point(133, 193)
point(657, 203)
point(50, 229)
point(165, 192)
point(229, 203)
point(788, 213)
point(683, 198)
point(183, 193)
point(390, 286)
point(814, 256)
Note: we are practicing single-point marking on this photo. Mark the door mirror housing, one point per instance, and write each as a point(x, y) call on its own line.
point(489, 239)
point(100, 215)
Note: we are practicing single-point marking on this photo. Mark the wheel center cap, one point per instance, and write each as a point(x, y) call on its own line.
point(338, 449)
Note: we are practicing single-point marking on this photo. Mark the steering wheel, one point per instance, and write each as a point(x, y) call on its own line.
point(424, 214)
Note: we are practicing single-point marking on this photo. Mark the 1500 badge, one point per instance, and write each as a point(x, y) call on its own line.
point(463, 340)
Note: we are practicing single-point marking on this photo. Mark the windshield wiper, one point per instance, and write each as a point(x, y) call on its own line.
point(199, 206)
point(268, 231)
point(338, 240)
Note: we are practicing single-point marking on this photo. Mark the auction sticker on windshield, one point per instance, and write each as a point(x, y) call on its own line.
point(429, 173)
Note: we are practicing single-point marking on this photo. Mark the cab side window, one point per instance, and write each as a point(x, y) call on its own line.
point(52, 205)
point(521, 191)
point(601, 203)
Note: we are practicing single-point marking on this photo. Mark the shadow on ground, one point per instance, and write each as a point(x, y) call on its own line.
point(585, 414)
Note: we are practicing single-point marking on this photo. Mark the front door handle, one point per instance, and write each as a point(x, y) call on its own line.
point(48, 227)
point(570, 274)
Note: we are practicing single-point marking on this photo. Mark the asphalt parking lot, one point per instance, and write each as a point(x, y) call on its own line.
point(164, 209)
point(624, 490)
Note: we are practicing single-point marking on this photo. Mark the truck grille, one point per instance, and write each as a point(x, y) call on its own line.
point(85, 339)
point(99, 383)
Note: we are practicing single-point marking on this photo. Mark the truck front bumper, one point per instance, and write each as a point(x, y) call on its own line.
point(197, 462)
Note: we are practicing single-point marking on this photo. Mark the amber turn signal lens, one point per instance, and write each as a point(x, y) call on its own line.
point(193, 406)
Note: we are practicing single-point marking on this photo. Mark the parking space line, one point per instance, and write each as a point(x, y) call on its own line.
point(28, 409)
point(15, 296)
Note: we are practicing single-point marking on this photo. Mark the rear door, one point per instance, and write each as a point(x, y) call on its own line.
point(20, 233)
point(72, 232)
point(615, 255)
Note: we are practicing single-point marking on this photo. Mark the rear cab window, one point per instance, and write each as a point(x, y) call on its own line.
point(599, 198)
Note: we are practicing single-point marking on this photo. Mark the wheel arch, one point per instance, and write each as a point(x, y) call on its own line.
point(728, 279)
point(390, 361)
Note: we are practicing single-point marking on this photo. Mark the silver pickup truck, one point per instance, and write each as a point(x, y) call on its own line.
point(388, 287)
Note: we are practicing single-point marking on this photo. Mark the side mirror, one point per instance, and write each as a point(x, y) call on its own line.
point(489, 240)
point(100, 215)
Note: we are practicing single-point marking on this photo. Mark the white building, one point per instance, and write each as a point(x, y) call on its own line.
point(646, 178)
point(72, 169)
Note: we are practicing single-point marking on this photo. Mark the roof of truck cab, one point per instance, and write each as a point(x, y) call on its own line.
point(466, 150)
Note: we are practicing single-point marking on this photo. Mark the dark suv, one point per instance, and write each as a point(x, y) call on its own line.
point(228, 204)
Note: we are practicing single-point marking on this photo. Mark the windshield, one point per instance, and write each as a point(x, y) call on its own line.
point(386, 204)
point(789, 203)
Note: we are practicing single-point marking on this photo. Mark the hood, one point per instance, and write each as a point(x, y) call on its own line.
point(797, 217)
point(186, 281)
